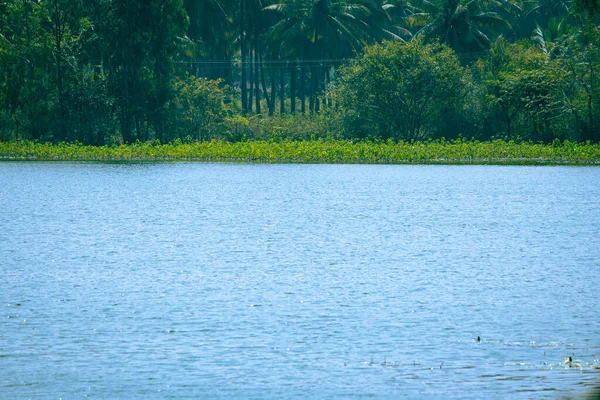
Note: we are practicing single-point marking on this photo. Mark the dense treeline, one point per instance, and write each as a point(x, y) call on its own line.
point(119, 71)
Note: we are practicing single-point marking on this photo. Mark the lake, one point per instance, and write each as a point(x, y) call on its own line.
point(254, 281)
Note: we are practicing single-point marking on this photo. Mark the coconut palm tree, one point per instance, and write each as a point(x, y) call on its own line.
point(253, 25)
point(467, 26)
point(322, 27)
point(398, 12)
point(316, 33)
point(211, 29)
point(542, 11)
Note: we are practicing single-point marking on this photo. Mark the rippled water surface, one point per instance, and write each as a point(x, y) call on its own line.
point(188, 280)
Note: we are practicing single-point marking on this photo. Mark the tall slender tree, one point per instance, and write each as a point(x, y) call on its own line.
point(143, 38)
point(317, 32)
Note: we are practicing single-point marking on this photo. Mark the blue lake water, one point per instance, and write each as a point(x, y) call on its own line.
point(193, 280)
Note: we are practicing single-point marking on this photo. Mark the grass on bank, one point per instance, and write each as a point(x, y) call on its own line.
point(318, 151)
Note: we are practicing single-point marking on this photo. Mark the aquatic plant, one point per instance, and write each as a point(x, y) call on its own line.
point(317, 151)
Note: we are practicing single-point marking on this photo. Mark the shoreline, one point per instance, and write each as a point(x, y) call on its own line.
point(315, 152)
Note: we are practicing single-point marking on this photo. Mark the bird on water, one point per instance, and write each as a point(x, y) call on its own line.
point(570, 364)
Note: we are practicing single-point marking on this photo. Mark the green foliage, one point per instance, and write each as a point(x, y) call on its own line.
point(121, 71)
point(588, 10)
point(525, 87)
point(317, 151)
point(88, 108)
point(401, 90)
point(296, 127)
point(464, 25)
point(580, 57)
point(143, 36)
point(197, 109)
point(26, 100)
point(316, 28)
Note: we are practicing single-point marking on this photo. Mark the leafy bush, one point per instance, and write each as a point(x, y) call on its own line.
point(198, 109)
point(401, 91)
point(324, 125)
point(524, 92)
point(321, 151)
point(89, 109)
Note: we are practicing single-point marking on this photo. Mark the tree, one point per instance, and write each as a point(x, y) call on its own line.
point(588, 9)
point(143, 36)
point(526, 88)
point(581, 57)
point(212, 30)
point(464, 25)
point(315, 31)
point(197, 108)
point(401, 90)
point(27, 99)
point(545, 11)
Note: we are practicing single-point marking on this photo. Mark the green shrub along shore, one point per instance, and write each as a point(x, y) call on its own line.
point(316, 151)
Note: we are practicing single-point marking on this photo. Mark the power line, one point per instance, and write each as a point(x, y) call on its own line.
point(282, 62)
point(305, 62)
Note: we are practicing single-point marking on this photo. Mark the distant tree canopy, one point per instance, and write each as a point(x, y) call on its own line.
point(110, 71)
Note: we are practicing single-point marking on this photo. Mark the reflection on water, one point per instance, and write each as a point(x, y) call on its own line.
point(309, 281)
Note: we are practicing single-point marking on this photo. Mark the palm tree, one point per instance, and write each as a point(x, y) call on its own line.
point(543, 11)
point(466, 26)
point(212, 31)
point(393, 14)
point(335, 27)
point(253, 24)
point(543, 38)
point(528, 15)
point(316, 33)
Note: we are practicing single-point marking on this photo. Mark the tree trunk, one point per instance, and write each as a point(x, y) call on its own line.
point(59, 29)
point(591, 131)
point(318, 93)
point(27, 7)
point(311, 95)
point(228, 70)
point(273, 90)
point(243, 55)
point(507, 120)
point(256, 68)
point(282, 89)
point(264, 87)
point(302, 89)
point(327, 99)
point(595, 132)
point(126, 106)
point(293, 72)
point(249, 103)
